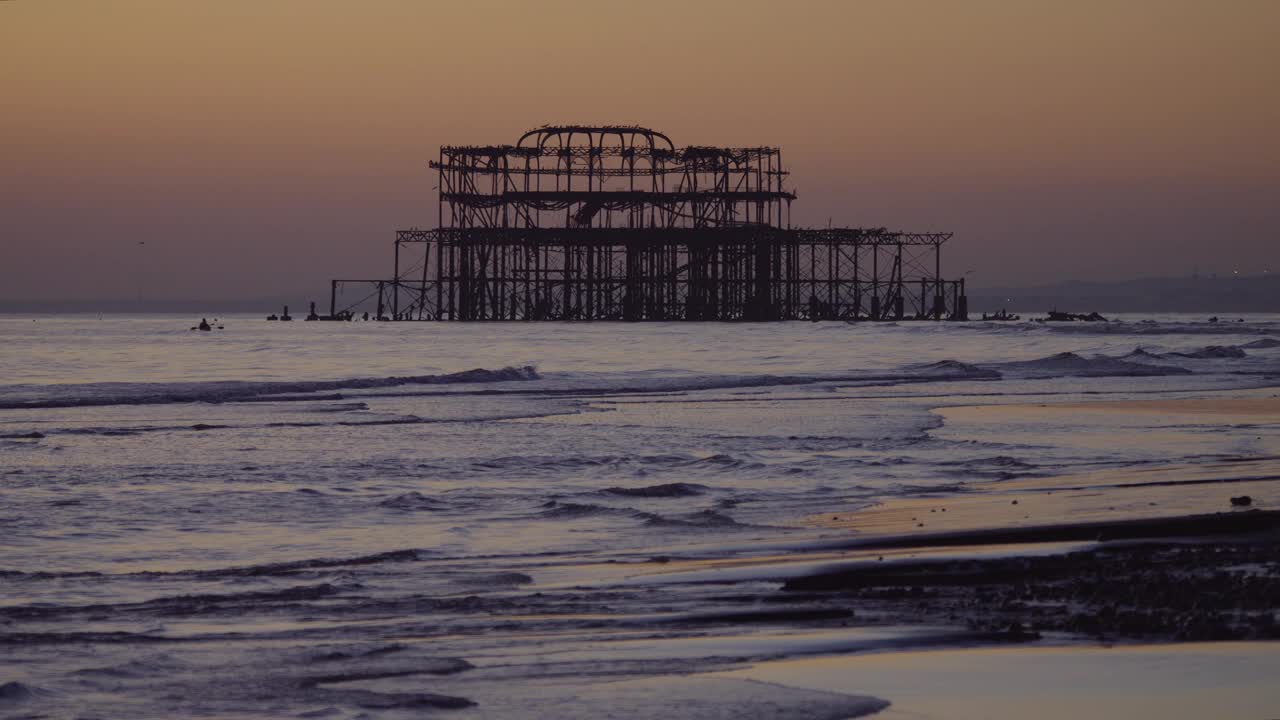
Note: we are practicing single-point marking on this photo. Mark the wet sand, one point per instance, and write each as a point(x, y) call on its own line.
point(1206, 577)
point(1053, 589)
point(1161, 556)
point(1267, 405)
point(1095, 497)
point(1106, 494)
point(1170, 682)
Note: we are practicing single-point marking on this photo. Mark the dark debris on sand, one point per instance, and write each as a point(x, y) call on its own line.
point(1225, 590)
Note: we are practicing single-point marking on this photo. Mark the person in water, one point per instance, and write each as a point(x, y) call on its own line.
point(204, 324)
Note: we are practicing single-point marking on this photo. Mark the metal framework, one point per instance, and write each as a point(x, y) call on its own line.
point(617, 223)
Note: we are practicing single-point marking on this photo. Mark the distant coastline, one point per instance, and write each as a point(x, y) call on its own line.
point(1234, 294)
point(1205, 294)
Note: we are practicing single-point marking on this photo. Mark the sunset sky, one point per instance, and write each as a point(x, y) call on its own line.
point(258, 147)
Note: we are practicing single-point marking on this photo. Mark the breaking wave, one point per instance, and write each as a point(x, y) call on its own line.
point(184, 605)
point(1211, 352)
point(245, 571)
point(1072, 365)
point(290, 568)
point(413, 500)
point(946, 370)
point(665, 490)
point(12, 693)
point(1208, 352)
point(562, 510)
point(702, 519)
point(234, 391)
point(1262, 344)
point(958, 370)
point(1006, 462)
point(998, 467)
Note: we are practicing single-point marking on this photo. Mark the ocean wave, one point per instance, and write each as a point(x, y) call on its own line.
point(1068, 364)
point(549, 463)
point(131, 669)
point(1006, 462)
point(708, 519)
point(1211, 352)
point(947, 370)
point(24, 639)
point(107, 394)
point(253, 597)
point(940, 490)
point(386, 669)
point(1262, 344)
point(998, 467)
point(355, 653)
point(12, 693)
point(560, 510)
point(376, 420)
point(665, 490)
point(412, 500)
point(722, 462)
point(1154, 328)
point(954, 369)
point(58, 396)
point(496, 580)
point(1208, 352)
point(117, 431)
point(185, 605)
point(296, 566)
point(418, 702)
point(640, 464)
point(265, 570)
point(46, 574)
point(335, 407)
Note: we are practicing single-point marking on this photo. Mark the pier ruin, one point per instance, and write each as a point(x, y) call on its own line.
point(618, 223)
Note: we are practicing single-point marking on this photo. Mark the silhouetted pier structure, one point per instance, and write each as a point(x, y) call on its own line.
point(617, 223)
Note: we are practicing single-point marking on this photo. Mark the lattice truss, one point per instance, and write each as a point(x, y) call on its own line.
point(616, 223)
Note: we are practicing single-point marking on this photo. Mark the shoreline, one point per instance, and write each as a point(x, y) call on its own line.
point(1110, 578)
point(1188, 681)
point(1155, 548)
point(1135, 554)
point(1205, 577)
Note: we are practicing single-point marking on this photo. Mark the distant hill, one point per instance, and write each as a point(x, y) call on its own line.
point(1256, 293)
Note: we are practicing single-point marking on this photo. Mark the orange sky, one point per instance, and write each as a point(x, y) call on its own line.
point(260, 146)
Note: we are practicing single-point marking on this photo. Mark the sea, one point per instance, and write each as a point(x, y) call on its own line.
point(385, 520)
